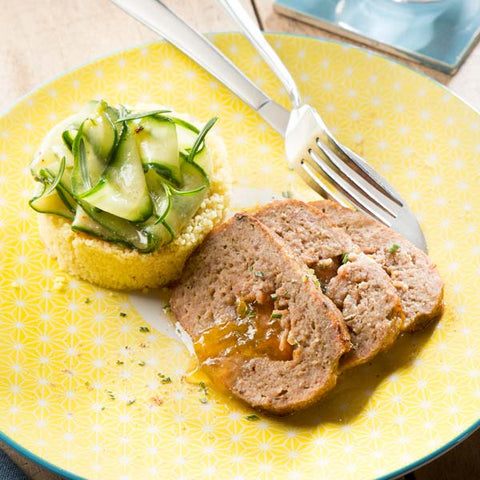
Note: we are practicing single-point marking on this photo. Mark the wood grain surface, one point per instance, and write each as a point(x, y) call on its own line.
point(41, 39)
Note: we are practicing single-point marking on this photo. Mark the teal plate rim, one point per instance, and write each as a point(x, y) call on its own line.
point(389, 476)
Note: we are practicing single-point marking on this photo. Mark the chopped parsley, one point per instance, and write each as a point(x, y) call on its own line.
point(123, 314)
point(131, 401)
point(203, 388)
point(119, 362)
point(242, 308)
point(276, 315)
point(345, 258)
point(141, 364)
point(167, 308)
point(273, 295)
point(393, 248)
point(287, 194)
point(111, 395)
point(164, 379)
point(259, 274)
point(252, 417)
point(144, 329)
point(87, 300)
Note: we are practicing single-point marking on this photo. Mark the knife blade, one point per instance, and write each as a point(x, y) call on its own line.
point(159, 18)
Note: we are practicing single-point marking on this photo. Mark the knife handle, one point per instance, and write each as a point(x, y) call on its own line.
point(159, 18)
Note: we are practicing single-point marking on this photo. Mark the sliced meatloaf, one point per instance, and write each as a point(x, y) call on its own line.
point(414, 275)
point(358, 286)
point(261, 326)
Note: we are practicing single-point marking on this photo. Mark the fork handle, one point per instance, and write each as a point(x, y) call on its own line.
point(254, 35)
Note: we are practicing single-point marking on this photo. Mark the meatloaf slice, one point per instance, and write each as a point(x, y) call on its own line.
point(261, 326)
point(360, 288)
point(414, 275)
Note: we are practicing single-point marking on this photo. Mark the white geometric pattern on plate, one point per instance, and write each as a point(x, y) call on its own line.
point(63, 344)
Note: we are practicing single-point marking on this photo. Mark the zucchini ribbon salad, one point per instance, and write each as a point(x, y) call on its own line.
point(129, 177)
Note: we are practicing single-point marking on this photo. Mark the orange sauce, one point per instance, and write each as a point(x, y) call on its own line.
point(256, 331)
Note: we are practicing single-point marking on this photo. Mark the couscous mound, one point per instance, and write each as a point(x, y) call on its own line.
point(112, 266)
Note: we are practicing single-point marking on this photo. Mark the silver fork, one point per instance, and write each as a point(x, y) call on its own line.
point(319, 158)
point(326, 162)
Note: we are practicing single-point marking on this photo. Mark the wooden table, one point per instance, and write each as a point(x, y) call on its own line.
point(40, 40)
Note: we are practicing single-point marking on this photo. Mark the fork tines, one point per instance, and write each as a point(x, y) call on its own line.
point(322, 169)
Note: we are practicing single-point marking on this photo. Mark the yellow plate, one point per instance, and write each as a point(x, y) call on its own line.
point(79, 381)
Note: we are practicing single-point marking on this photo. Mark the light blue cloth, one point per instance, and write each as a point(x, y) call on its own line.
point(8, 469)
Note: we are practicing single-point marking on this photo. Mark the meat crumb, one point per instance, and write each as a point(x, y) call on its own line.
point(157, 401)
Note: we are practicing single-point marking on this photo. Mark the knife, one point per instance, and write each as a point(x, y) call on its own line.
point(159, 18)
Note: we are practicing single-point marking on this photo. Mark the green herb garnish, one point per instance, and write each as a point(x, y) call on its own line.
point(252, 417)
point(199, 141)
point(276, 315)
point(57, 179)
point(123, 314)
point(273, 295)
point(203, 388)
point(393, 248)
point(87, 300)
point(259, 274)
point(144, 329)
point(166, 380)
point(287, 194)
point(141, 364)
point(131, 402)
point(345, 258)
